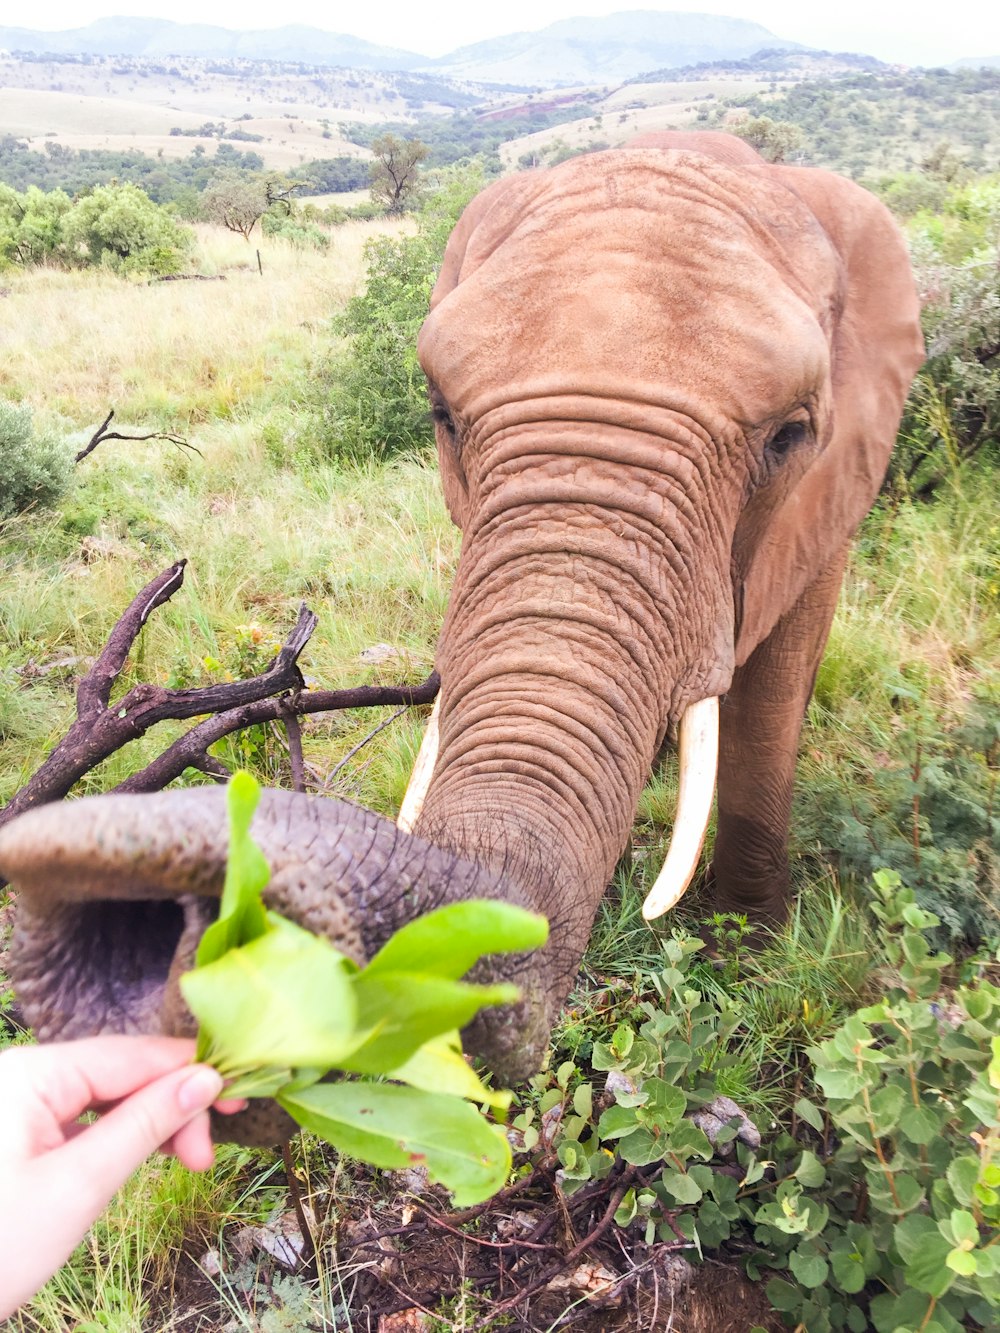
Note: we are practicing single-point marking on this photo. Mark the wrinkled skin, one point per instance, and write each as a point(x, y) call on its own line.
point(666, 384)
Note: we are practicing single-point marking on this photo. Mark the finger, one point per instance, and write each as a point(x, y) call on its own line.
point(69, 1077)
point(231, 1107)
point(192, 1144)
point(102, 1158)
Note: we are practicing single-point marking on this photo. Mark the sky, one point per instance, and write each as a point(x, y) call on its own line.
point(909, 31)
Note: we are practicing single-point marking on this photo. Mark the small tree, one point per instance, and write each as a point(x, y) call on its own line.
point(773, 139)
point(395, 172)
point(237, 200)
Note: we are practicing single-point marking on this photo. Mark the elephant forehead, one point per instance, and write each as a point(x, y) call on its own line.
point(674, 275)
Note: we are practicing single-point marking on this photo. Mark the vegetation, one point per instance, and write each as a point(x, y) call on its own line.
point(34, 466)
point(395, 173)
point(864, 1062)
point(869, 123)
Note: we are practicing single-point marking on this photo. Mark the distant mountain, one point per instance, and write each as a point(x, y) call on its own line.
point(582, 50)
point(976, 62)
point(609, 49)
point(800, 63)
point(155, 38)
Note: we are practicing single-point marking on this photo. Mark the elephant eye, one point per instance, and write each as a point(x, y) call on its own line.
point(787, 437)
point(442, 417)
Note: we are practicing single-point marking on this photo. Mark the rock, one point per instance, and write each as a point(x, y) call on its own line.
point(404, 1321)
point(719, 1114)
point(592, 1281)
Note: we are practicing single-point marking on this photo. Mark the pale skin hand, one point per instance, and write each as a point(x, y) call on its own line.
point(56, 1175)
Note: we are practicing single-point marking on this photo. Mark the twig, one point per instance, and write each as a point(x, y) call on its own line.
point(102, 433)
point(295, 1193)
point(362, 743)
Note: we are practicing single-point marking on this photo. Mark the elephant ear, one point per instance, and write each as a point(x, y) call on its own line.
point(876, 349)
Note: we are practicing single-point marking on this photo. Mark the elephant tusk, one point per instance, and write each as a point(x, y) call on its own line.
point(699, 763)
point(420, 778)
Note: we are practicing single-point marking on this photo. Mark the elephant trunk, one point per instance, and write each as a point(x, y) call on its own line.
point(114, 893)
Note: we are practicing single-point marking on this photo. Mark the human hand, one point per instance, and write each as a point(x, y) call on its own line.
point(56, 1175)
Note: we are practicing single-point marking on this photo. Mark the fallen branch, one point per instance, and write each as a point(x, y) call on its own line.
point(102, 433)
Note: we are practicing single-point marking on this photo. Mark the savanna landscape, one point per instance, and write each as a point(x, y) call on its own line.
point(235, 257)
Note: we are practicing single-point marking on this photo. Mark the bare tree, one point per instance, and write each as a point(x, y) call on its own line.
point(395, 173)
point(238, 201)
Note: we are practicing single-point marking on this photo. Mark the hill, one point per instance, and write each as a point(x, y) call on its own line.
point(577, 50)
point(609, 49)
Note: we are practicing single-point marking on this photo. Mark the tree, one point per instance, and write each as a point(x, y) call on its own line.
point(773, 139)
point(238, 201)
point(395, 172)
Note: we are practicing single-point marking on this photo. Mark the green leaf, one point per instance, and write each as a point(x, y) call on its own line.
point(963, 1174)
point(393, 1127)
point(810, 1170)
point(920, 1124)
point(282, 1001)
point(927, 1270)
point(681, 1187)
point(440, 1066)
point(242, 916)
point(810, 1113)
point(449, 941)
point(402, 1010)
point(809, 1267)
point(962, 1262)
point(783, 1296)
point(843, 1084)
point(583, 1101)
point(848, 1270)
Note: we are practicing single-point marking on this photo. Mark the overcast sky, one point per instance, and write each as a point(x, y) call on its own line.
point(914, 31)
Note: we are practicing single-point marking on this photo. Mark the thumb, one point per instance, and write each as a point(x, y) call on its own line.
point(102, 1158)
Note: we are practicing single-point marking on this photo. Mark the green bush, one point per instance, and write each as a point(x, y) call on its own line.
point(31, 225)
point(296, 230)
point(120, 226)
point(35, 467)
point(879, 1206)
point(374, 403)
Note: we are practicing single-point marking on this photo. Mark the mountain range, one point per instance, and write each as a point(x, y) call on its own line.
point(578, 50)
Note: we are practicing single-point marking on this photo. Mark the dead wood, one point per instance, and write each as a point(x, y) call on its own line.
point(102, 433)
point(101, 727)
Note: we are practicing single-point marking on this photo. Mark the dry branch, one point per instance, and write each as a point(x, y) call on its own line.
point(101, 728)
point(102, 433)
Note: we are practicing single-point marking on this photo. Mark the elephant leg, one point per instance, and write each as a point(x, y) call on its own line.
point(760, 722)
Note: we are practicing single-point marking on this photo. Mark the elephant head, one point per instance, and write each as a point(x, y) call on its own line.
point(665, 385)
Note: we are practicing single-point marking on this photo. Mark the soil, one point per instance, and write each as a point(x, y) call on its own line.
point(400, 1261)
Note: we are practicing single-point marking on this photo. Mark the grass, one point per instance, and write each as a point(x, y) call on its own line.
point(266, 523)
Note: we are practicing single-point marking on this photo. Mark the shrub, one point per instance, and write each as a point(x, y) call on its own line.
point(120, 226)
point(375, 399)
point(34, 468)
point(31, 225)
point(297, 231)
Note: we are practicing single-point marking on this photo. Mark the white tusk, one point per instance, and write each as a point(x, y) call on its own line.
point(699, 764)
point(420, 778)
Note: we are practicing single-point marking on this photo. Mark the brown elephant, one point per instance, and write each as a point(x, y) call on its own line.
point(665, 385)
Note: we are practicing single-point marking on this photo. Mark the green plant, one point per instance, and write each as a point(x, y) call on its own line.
point(35, 467)
point(279, 1007)
point(120, 226)
point(373, 402)
point(896, 1227)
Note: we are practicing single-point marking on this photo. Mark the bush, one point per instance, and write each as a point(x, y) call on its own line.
point(296, 230)
point(375, 396)
point(34, 468)
point(31, 225)
point(119, 226)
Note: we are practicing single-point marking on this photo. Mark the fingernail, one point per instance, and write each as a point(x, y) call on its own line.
point(200, 1089)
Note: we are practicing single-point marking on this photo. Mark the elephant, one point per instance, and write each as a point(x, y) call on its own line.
point(665, 382)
